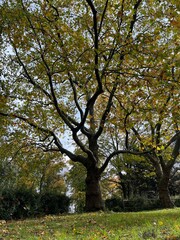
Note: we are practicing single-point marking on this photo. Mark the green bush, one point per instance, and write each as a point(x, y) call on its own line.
point(133, 205)
point(141, 204)
point(53, 203)
point(17, 203)
point(114, 204)
point(27, 204)
point(177, 202)
point(7, 204)
point(24, 203)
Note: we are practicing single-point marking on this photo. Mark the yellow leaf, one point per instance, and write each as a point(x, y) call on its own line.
point(162, 147)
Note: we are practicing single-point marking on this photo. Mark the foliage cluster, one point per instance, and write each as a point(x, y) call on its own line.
point(23, 165)
point(23, 203)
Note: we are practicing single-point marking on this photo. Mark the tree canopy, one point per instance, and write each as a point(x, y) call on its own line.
point(76, 72)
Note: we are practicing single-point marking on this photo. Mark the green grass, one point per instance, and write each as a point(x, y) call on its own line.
point(163, 224)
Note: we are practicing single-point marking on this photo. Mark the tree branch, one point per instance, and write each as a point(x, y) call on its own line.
point(158, 133)
point(115, 153)
point(173, 139)
point(73, 157)
point(106, 112)
point(89, 105)
point(136, 6)
point(27, 75)
point(75, 96)
point(103, 15)
point(138, 136)
point(96, 43)
point(28, 121)
point(49, 75)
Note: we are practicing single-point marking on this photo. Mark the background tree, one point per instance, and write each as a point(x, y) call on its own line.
point(136, 176)
point(149, 112)
point(174, 186)
point(69, 64)
point(76, 181)
point(153, 122)
point(24, 166)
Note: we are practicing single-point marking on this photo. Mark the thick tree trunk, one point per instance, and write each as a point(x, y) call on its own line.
point(94, 200)
point(164, 195)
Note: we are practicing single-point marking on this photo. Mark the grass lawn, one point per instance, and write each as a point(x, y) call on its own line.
point(161, 224)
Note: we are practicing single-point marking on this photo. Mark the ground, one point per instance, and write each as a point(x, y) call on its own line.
point(161, 224)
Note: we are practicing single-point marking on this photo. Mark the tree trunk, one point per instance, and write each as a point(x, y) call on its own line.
point(94, 200)
point(164, 195)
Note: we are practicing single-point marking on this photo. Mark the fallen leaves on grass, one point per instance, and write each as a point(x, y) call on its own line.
point(172, 237)
point(2, 222)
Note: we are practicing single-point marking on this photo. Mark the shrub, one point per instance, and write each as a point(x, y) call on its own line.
point(17, 203)
point(114, 204)
point(177, 202)
point(141, 204)
point(27, 203)
point(23, 203)
point(54, 203)
point(7, 204)
point(133, 205)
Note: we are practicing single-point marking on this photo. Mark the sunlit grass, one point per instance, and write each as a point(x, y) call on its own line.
point(164, 224)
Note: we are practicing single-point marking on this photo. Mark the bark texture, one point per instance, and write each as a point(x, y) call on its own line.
point(94, 200)
point(164, 195)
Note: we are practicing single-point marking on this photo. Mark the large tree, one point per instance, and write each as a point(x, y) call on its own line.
point(65, 63)
point(150, 112)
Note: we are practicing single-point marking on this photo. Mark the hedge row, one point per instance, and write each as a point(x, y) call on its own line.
point(23, 203)
point(134, 205)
